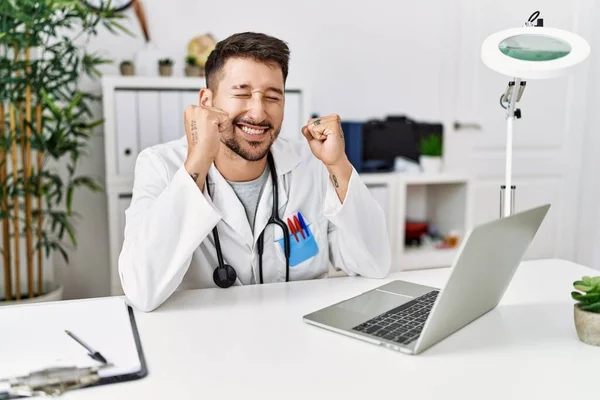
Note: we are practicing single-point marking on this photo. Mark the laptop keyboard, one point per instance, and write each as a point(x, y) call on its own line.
point(403, 324)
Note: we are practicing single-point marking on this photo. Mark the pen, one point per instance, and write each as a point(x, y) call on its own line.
point(299, 227)
point(92, 353)
point(292, 229)
point(302, 223)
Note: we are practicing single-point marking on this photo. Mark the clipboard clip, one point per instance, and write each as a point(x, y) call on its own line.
point(52, 381)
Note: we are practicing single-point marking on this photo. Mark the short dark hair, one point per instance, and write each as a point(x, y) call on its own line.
point(257, 46)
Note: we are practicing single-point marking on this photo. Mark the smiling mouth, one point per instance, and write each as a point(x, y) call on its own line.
point(253, 130)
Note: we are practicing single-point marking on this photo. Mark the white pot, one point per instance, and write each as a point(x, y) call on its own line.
point(431, 164)
point(52, 292)
point(587, 325)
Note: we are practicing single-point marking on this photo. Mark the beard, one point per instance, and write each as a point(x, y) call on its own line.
point(250, 150)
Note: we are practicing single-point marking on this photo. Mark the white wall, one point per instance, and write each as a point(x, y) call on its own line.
point(588, 238)
point(361, 59)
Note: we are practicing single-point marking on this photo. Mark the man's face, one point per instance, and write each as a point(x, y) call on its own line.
point(252, 93)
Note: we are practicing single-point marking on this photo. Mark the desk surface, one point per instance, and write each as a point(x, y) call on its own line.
point(251, 342)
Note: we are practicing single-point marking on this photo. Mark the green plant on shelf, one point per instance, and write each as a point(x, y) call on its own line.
point(431, 146)
point(165, 62)
point(589, 300)
point(190, 60)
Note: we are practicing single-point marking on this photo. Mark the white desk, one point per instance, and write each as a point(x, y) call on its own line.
point(250, 342)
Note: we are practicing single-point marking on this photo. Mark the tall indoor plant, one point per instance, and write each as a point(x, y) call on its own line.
point(45, 119)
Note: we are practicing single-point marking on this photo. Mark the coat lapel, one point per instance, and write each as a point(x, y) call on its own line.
point(230, 207)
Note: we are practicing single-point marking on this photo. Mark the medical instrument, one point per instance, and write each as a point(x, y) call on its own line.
point(225, 275)
point(529, 52)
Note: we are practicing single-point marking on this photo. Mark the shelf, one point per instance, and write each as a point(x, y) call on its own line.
point(153, 82)
point(414, 178)
point(416, 258)
point(425, 178)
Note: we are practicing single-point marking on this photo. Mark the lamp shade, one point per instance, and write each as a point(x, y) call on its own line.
point(533, 52)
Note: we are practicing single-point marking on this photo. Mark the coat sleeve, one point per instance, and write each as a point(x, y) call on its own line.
point(358, 239)
point(167, 220)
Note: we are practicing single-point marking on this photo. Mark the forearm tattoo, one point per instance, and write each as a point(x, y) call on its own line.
point(335, 181)
point(194, 133)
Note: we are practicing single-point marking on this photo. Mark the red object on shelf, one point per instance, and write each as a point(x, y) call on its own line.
point(414, 230)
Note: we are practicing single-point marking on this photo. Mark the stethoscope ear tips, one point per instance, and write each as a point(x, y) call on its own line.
point(224, 276)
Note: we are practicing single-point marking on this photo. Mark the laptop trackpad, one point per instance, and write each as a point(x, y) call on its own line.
point(374, 303)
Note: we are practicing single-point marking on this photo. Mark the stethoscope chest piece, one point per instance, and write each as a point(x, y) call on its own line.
point(224, 276)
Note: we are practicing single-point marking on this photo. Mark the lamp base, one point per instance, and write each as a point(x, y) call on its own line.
point(503, 212)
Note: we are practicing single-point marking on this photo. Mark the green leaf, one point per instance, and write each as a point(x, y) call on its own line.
point(580, 285)
point(576, 295)
point(595, 307)
point(589, 298)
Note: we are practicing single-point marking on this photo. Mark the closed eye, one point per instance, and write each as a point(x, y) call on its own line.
point(272, 98)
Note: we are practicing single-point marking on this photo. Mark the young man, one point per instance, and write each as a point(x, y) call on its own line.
point(183, 233)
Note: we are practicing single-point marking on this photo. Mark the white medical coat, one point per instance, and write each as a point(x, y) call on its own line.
point(169, 244)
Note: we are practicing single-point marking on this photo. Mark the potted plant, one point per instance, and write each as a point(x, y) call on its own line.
point(127, 68)
point(191, 66)
point(587, 309)
point(430, 157)
point(165, 67)
point(45, 123)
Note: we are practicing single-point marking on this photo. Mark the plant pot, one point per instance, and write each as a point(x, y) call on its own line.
point(127, 70)
point(192, 70)
point(52, 292)
point(587, 325)
point(165, 70)
point(430, 164)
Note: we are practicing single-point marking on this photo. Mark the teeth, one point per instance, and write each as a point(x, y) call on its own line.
point(252, 131)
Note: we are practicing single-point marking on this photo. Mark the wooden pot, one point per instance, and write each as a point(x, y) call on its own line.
point(127, 70)
point(192, 70)
point(165, 70)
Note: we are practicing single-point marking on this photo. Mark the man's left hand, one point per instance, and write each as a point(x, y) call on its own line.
point(326, 139)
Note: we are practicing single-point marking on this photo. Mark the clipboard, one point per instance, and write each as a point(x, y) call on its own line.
point(61, 364)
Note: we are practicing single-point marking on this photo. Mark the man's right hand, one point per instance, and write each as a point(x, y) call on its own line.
point(204, 125)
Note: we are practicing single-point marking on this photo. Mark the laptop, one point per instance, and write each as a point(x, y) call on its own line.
point(410, 318)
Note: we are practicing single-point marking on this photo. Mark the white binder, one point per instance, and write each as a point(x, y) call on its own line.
point(171, 115)
point(292, 120)
point(126, 131)
point(148, 115)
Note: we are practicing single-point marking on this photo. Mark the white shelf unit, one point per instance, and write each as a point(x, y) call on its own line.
point(442, 200)
point(161, 101)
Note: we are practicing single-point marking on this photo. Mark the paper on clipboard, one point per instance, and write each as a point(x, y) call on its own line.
point(32, 337)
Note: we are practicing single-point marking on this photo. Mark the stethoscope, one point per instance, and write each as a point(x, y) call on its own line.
point(224, 275)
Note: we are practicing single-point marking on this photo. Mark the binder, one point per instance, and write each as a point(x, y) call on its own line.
point(127, 131)
point(148, 115)
point(292, 121)
point(37, 354)
point(171, 116)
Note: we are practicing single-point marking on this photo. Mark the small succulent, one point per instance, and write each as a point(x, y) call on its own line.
point(589, 300)
point(126, 62)
point(431, 146)
point(190, 60)
point(165, 61)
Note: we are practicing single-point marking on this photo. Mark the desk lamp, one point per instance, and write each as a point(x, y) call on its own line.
point(529, 52)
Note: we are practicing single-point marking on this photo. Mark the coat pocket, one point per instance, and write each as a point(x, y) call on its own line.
point(303, 246)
